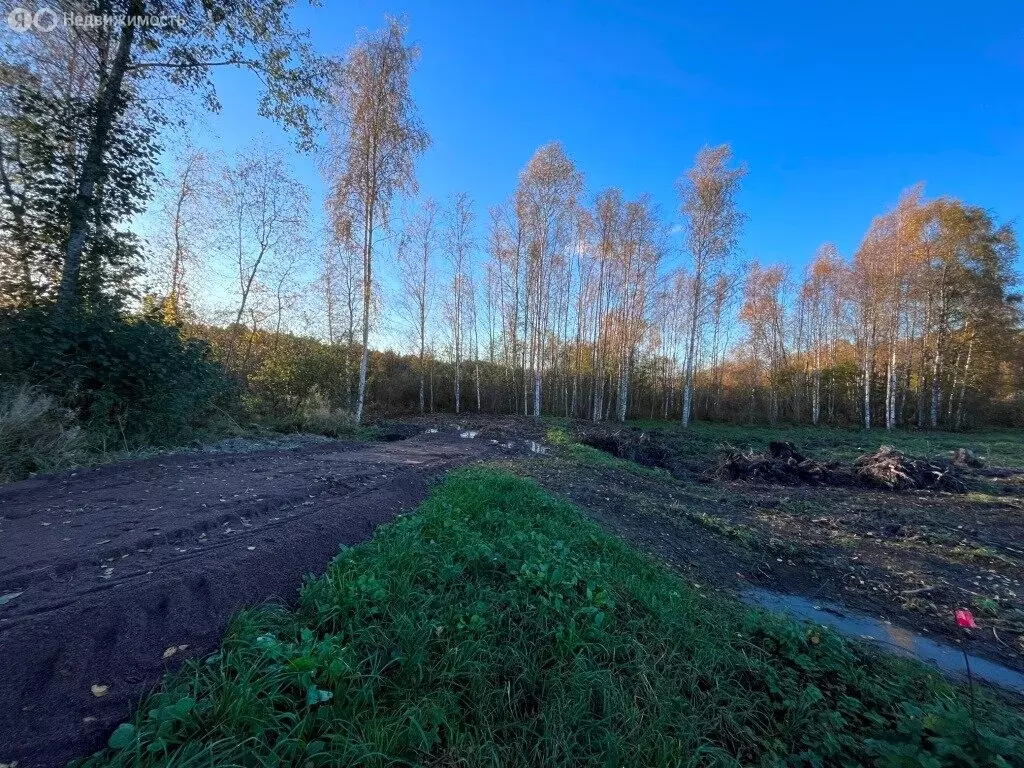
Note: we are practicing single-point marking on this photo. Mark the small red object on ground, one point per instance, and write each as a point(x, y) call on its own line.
point(965, 619)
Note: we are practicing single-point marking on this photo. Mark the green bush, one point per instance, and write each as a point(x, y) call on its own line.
point(129, 381)
point(315, 416)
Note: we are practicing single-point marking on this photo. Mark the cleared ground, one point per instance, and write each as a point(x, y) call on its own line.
point(113, 575)
point(909, 557)
point(498, 626)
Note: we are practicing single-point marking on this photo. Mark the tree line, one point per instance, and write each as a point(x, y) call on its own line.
point(559, 301)
point(573, 310)
point(584, 307)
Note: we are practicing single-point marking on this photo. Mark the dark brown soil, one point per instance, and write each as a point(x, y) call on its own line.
point(118, 565)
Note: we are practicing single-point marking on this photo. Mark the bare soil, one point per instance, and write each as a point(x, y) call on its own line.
point(113, 575)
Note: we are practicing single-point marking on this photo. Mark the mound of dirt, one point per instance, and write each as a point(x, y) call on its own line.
point(889, 468)
point(392, 432)
point(638, 447)
point(782, 464)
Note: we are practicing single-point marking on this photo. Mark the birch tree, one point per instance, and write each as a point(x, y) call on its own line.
point(609, 218)
point(264, 212)
point(549, 187)
point(712, 222)
point(184, 224)
point(375, 138)
point(458, 245)
point(764, 314)
point(132, 67)
point(416, 264)
point(639, 261)
point(821, 295)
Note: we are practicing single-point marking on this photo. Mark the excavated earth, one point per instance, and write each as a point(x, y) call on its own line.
point(111, 576)
point(908, 558)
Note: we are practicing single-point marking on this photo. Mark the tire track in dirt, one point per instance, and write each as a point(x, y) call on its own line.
point(116, 564)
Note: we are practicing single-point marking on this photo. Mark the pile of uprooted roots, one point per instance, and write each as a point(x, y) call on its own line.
point(782, 464)
point(885, 468)
point(891, 469)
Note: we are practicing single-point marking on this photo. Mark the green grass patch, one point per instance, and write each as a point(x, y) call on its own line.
point(982, 497)
point(500, 627)
point(803, 507)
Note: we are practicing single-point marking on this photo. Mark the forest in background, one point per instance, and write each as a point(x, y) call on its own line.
point(918, 329)
point(574, 302)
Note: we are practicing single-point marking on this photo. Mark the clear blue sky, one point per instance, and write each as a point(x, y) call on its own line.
point(835, 106)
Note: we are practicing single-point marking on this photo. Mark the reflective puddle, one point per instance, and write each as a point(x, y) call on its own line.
point(947, 658)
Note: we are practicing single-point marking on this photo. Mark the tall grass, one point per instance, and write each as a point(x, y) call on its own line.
point(499, 627)
point(315, 416)
point(36, 435)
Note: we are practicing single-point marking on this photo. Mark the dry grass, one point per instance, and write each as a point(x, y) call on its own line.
point(36, 435)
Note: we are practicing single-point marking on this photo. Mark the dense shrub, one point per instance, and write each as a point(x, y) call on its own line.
point(315, 416)
point(129, 381)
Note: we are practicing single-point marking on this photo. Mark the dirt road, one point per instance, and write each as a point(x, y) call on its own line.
point(117, 565)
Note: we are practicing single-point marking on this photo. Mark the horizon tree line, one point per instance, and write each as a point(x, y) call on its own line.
point(572, 303)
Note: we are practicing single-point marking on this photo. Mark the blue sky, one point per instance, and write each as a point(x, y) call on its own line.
point(834, 107)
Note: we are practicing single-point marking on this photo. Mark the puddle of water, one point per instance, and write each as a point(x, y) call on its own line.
point(947, 658)
point(469, 435)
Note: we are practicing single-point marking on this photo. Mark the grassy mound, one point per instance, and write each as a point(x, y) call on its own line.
point(499, 627)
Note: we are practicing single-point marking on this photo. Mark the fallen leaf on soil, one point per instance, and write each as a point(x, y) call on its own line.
point(99, 690)
point(171, 650)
